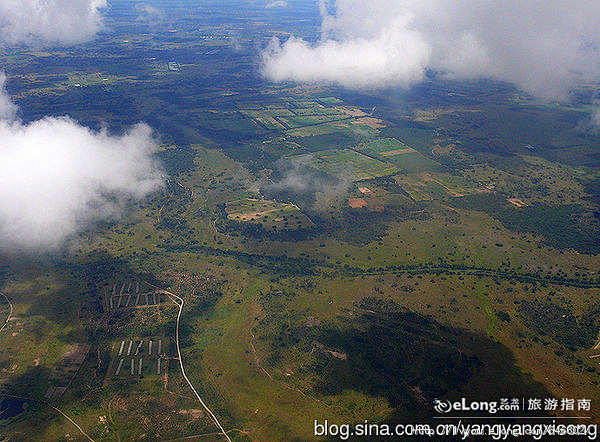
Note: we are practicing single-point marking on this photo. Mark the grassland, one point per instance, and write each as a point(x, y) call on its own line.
point(256, 339)
point(443, 261)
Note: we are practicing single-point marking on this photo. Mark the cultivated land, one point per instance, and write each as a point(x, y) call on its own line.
point(346, 164)
point(337, 256)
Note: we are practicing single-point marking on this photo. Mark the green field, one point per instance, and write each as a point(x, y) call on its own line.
point(398, 153)
point(330, 100)
point(437, 186)
point(346, 164)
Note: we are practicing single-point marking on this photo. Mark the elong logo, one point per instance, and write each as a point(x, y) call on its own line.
point(447, 406)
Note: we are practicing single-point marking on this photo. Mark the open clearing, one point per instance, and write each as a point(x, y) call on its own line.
point(272, 215)
point(357, 203)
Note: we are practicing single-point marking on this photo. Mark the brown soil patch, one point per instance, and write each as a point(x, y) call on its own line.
point(353, 112)
point(357, 203)
point(517, 202)
point(373, 123)
point(390, 153)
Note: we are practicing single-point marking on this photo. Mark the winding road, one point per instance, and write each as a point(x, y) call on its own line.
point(179, 302)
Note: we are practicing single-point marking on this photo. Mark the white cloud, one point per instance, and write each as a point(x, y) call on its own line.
point(591, 124)
point(358, 62)
point(50, 21)
point(545, 47)
point(8, 110)
point(148, 14)
point(277, 4)
point(595, 118)
point(58, 178)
